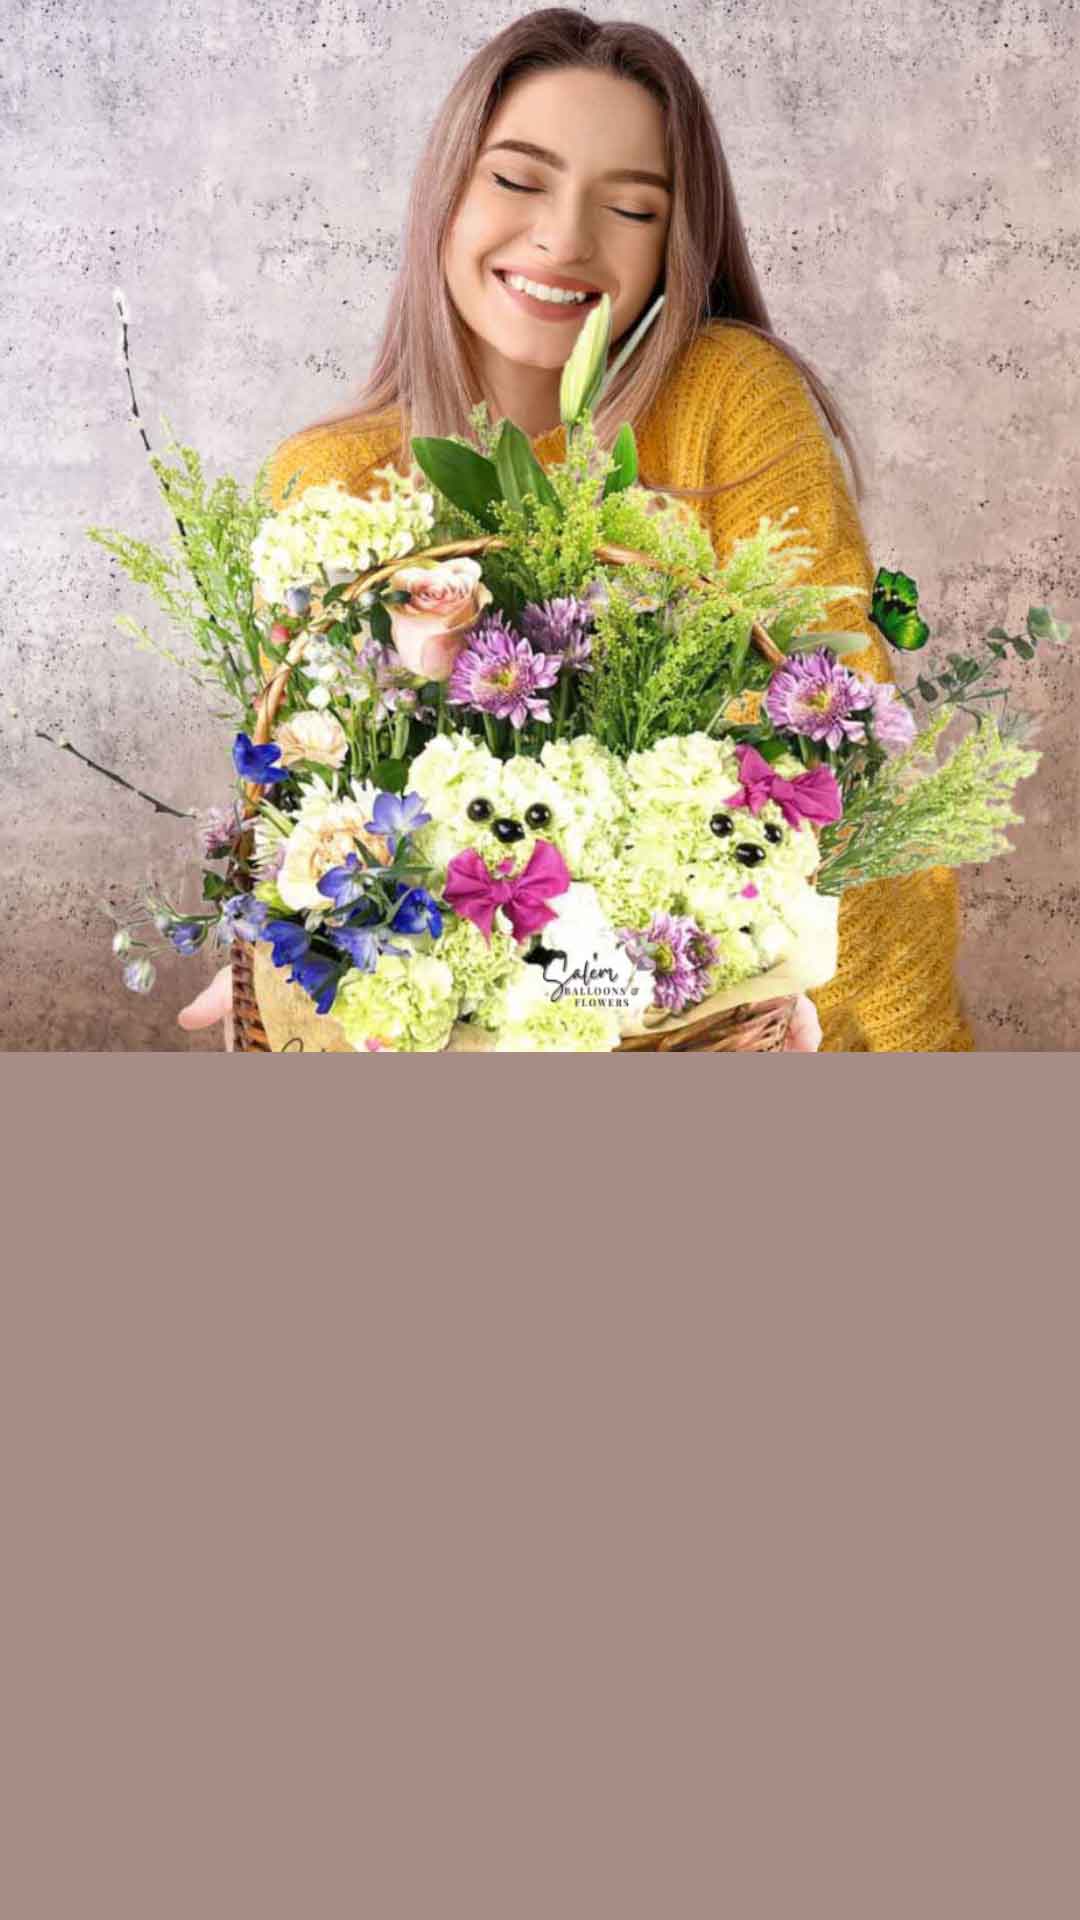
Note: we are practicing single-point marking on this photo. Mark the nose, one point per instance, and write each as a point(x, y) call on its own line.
point(507, 830)
point(565, 236)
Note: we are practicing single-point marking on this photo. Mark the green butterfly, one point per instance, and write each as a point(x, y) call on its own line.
point(894, 610)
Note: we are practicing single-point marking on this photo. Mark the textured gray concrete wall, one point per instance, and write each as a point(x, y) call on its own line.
point(909, 174)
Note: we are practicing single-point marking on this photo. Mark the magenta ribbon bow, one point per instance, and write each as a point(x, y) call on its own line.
point(475, 892)
point(814, 795)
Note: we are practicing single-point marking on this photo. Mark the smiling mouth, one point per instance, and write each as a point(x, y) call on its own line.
point(569, 306)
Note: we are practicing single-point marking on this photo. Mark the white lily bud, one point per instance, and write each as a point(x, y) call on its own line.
point(584, 370)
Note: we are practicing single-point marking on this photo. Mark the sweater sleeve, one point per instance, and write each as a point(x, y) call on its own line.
point(894, 989)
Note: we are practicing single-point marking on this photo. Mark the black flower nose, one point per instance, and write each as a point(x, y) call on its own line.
point(748, 854)
point(507, 830)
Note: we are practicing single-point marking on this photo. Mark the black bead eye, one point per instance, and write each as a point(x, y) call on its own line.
point(773, 833)
point(479, 809)
point(538, 815)
point(746, 929)
point(722, 824)
point(748, 855)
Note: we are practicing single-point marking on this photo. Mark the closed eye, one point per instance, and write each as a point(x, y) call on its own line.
point(515, 186)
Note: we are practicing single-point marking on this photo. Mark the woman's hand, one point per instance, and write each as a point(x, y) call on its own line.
point(804, 1033)
point(212, 1004)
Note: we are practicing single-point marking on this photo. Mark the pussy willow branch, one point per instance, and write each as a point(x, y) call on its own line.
point(159, 806)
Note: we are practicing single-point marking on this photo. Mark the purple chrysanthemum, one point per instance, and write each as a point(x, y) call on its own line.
point(499, 673)
point(815, 695)
point(678, 954)
point(892, 721)
point(561, 626)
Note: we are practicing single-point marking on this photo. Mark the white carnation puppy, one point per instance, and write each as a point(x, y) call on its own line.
point(689, 849)
point(571, 797)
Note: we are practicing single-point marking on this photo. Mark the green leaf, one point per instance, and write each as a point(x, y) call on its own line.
point(624, 453)
point(213, 886)
point(773, 749)
point(380, 623)
point(998, 633)
point(927, 689)
point(467, 478)
point(1041, 625)
point(519, 472)
point(391, 775)
point(1024, 648)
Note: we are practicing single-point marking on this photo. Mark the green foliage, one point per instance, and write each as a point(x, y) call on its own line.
point(675, 672)
point(519, 471)
point(201, 578)
point(551, 540)
point(624, 469)
point(658, 674)
point(961, 681)
point(915, 814)
point(665, 529)
point(466, 479)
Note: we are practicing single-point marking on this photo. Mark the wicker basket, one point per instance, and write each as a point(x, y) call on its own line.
point(756, 1027)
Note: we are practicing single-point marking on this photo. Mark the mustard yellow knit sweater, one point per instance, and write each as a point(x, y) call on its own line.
point(731, 404)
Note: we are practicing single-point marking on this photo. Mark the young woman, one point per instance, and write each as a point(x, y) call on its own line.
point(578, 157)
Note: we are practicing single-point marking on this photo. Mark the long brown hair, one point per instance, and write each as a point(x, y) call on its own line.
point(424, 373)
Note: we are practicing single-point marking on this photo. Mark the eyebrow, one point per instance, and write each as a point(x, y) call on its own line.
point(556, 160)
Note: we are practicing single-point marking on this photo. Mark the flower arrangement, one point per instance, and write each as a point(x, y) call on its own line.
point(522, 763)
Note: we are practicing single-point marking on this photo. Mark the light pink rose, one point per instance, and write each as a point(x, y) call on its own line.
point(445, 601)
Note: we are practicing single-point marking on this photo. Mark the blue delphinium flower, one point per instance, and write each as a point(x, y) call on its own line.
point(417, 912)
point(319, 976)
point(363, 943)
point(360, 943)
point(243, 918)
point(397, 815)
point(289, 941)
point(139, 975)
point(257, 763)
point(345, 885)
point(187, 936)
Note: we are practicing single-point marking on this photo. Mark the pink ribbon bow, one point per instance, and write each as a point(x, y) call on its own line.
point(814, 795)
point(474, 892)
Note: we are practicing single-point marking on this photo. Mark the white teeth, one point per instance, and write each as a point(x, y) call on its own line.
point(560, 295)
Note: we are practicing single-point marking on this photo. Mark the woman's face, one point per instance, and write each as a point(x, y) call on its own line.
point(558, 215)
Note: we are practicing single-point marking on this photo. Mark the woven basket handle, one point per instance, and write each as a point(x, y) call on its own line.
point(274, 691)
